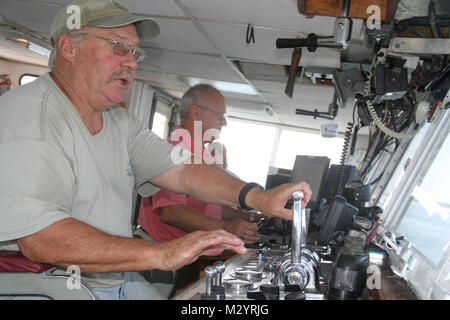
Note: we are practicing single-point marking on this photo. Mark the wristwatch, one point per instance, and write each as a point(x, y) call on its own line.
point(243, 194)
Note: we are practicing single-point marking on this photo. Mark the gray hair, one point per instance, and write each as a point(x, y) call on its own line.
point(78, 35)
point(195, 95)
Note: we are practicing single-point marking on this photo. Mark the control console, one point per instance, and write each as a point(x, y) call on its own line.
point(271, 272)
point(256, 276)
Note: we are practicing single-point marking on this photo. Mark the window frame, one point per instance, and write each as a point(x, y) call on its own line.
point(426, 279)
point(163, 108)
point(429, 146)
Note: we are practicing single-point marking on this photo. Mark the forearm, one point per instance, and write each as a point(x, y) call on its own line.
point(89, 248)
point(214, 185)
point(211, 184)
point(71, 242)
point(230, 214)
point(188, 220)
point(208, 183)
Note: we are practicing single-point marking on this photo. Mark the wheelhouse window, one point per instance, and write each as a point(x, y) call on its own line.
point(293, 143)
point(253, 148)
point(249, 149)
point(426, 222)
point(159, 125)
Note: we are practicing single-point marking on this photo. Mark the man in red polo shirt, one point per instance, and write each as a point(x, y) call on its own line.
point(167, 215)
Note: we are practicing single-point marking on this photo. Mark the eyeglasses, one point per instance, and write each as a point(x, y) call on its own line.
point(222, 116)
point(121, 48)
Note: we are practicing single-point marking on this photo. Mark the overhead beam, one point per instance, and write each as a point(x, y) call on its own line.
point(358, 9)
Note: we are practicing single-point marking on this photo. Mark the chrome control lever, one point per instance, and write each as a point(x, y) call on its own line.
point(298, 228)
point(291, 269)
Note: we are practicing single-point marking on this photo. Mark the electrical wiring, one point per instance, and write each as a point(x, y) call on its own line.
point(385, 130)
point(380, 143)
point(378, 122)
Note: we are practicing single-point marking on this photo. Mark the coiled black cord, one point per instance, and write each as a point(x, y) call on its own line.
point(347, 136)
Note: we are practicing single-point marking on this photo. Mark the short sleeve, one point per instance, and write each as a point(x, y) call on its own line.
point(36, 187)
point(151, 156)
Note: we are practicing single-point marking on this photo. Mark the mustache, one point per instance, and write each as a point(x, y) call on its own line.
point(122, 74)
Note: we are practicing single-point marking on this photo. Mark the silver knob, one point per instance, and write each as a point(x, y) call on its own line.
point(298, 195)
point(220, 267)
point(210, 273)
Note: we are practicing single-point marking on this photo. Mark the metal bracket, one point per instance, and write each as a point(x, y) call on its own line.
point(420, 46)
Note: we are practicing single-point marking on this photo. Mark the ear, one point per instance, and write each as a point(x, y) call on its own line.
point(67, 47)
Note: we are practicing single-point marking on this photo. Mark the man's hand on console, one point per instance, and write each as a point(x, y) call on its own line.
point(187, 249)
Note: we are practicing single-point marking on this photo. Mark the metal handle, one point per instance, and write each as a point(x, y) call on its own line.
point(220, 267)
point(291, 43)
point(298, 228)
point(210, 273)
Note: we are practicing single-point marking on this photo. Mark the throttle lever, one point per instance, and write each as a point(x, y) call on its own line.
point(291, 270)
point(298, 227)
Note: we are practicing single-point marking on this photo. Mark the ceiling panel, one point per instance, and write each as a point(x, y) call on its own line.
point(37, 18)
point(277, 14)
point(231, 40)
point(237, 99)
point(301, 89)
point(180, 35)
point(154, 7)
point(161, 78)
point(193, 65)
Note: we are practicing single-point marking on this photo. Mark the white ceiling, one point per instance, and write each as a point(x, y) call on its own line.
point(202, 39)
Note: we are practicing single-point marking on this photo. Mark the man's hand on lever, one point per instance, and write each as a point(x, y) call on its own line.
point(211, 184)
point(271, 202)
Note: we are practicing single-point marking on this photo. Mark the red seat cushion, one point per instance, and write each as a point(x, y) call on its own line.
point(14, 261)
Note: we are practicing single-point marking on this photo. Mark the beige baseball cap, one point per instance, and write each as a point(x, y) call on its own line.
point(102, 14)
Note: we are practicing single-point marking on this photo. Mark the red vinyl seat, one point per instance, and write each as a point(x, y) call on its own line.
point(21, 278)
point(14, 262)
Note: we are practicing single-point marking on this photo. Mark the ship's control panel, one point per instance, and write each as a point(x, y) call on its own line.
point(272, 271)
point(256, 275)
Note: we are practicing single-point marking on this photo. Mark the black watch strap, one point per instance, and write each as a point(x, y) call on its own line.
point(243, 194)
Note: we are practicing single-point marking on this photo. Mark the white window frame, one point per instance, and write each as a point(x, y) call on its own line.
point(427, 280)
